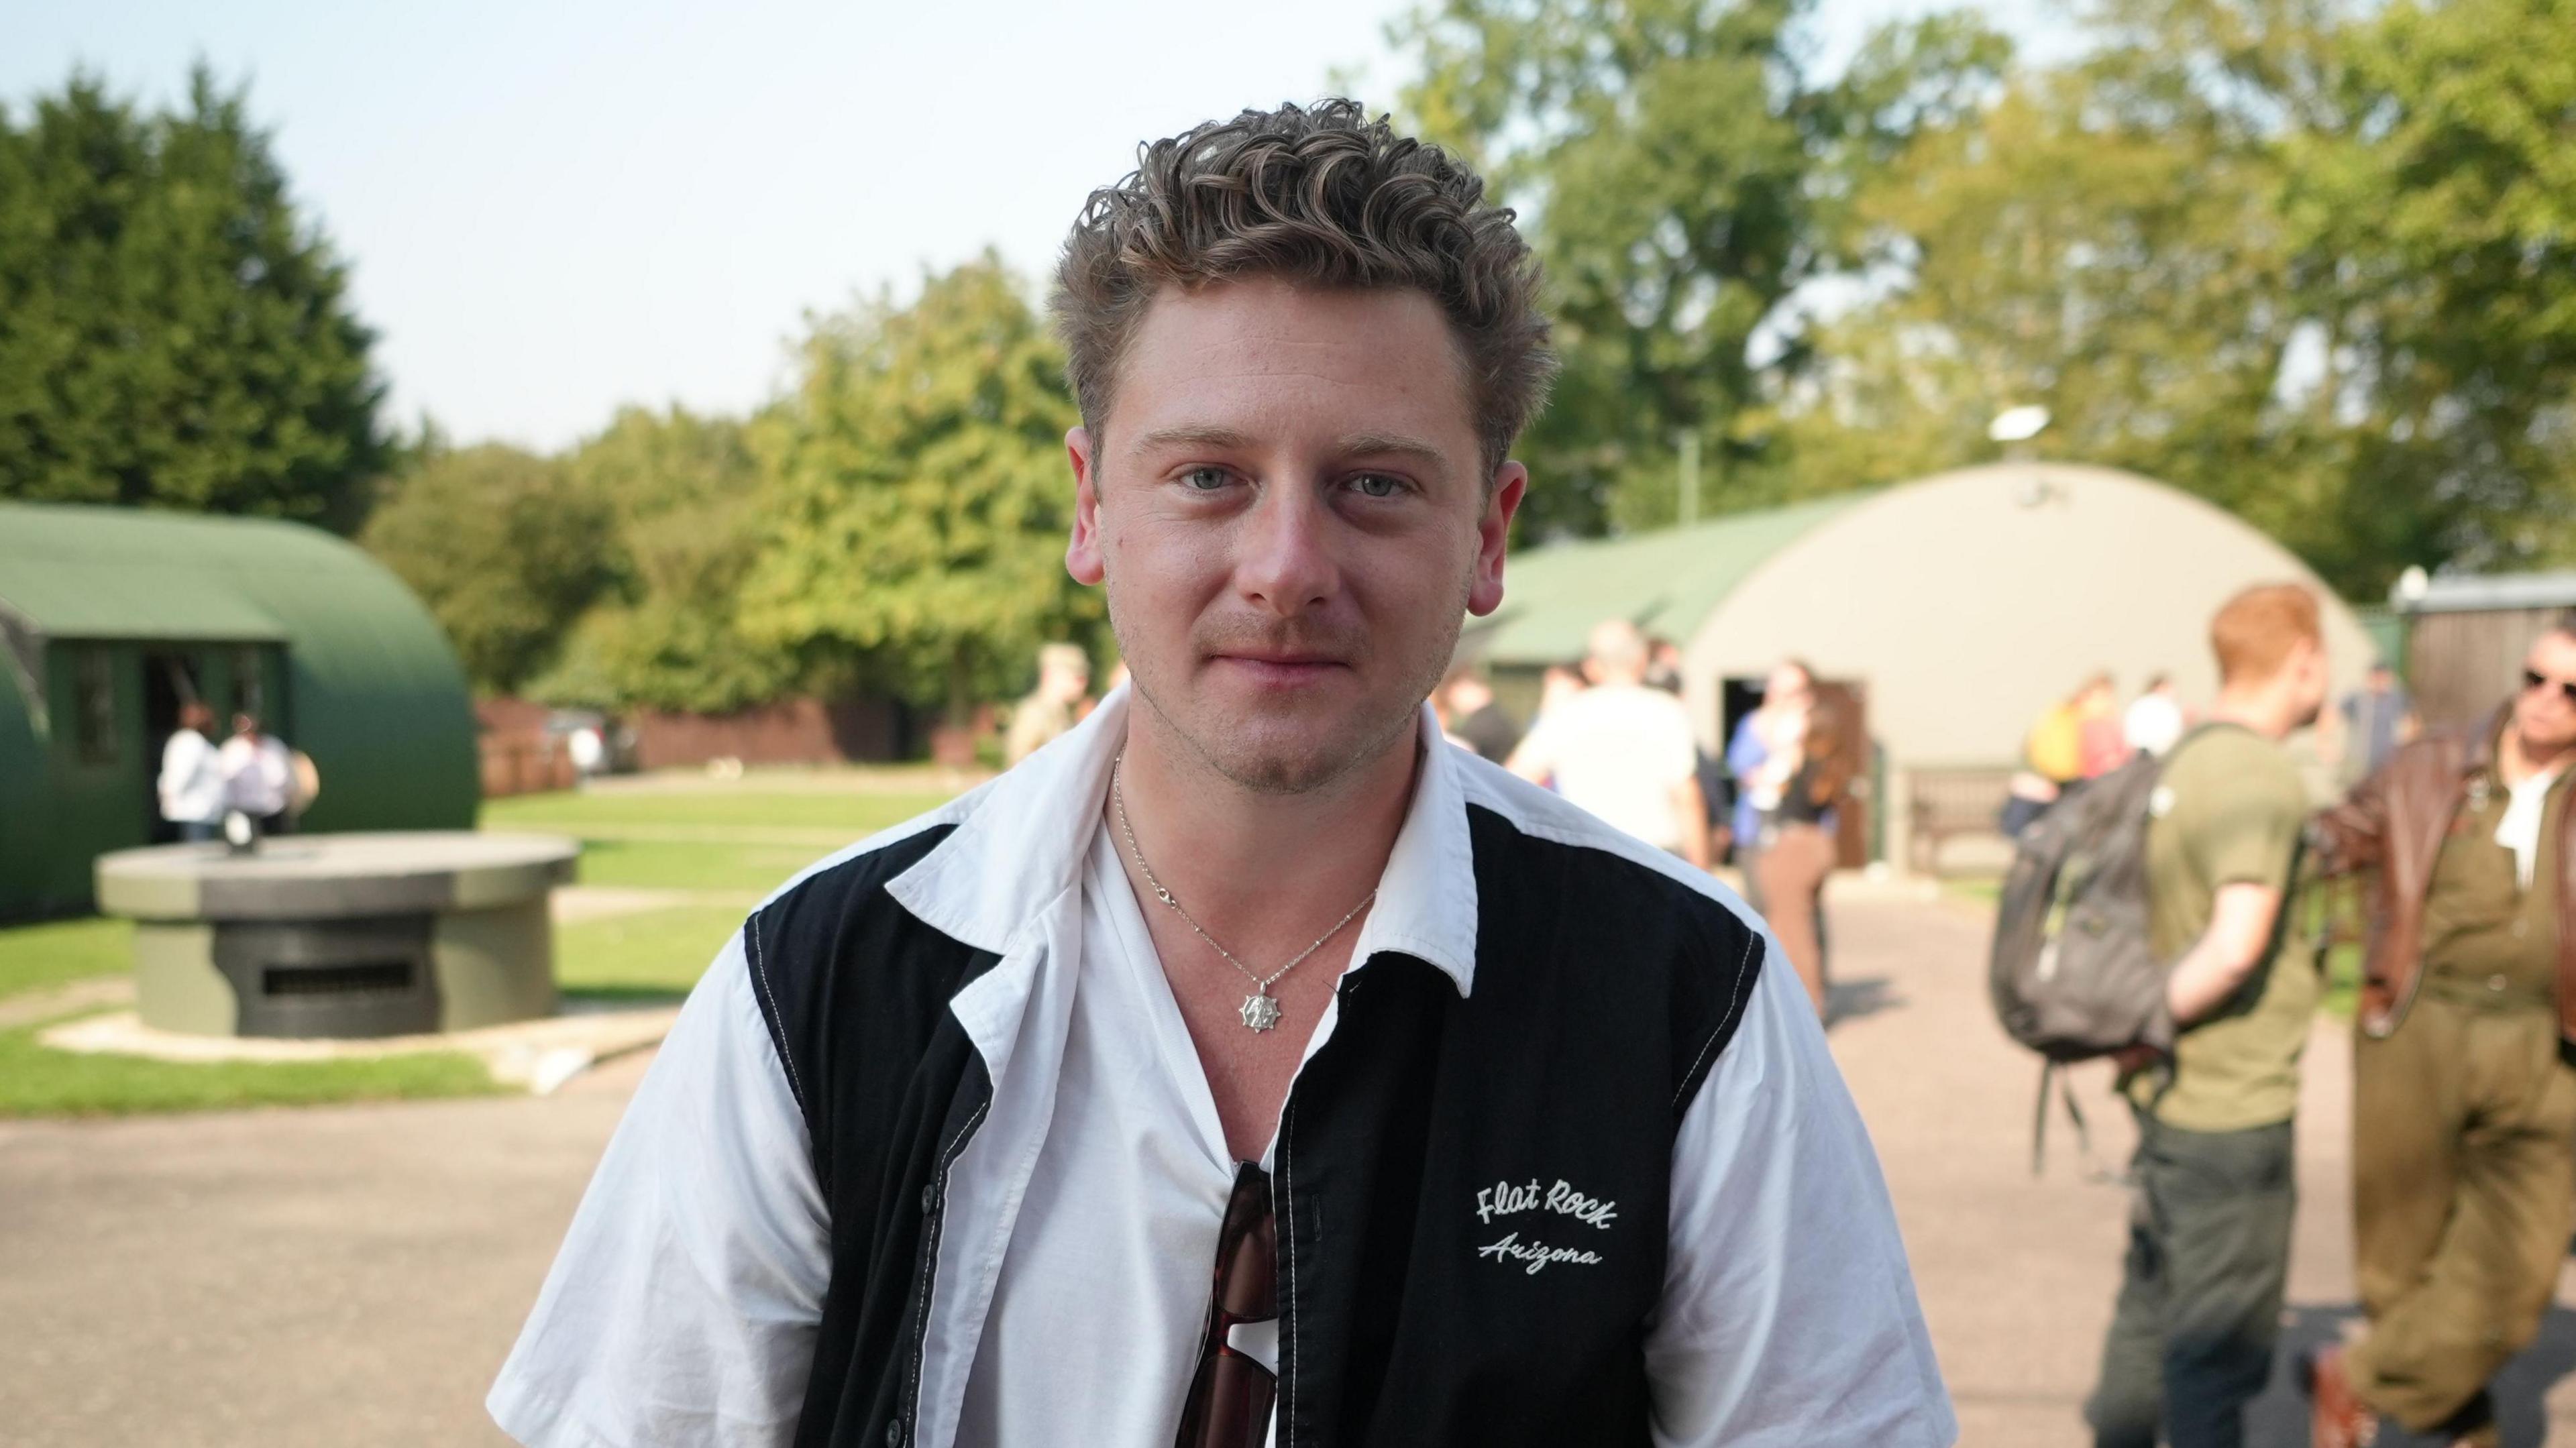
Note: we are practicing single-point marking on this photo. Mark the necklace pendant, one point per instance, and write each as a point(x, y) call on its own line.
point(1260, 1011)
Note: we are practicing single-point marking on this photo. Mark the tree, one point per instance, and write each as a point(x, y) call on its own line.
point(2310, 266)
point(171, 332)
point(505, 547)
point(1684, 176)
point(2448, 208)
point(683, 491)
point(919, 498)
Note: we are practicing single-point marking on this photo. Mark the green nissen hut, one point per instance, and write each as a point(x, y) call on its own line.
point(111, 618)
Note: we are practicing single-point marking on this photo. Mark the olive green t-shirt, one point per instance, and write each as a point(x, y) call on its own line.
point(2229, 809)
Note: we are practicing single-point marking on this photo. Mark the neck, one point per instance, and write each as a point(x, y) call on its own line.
point(2518, 759)
point(1254, 864)
point(2257, 707)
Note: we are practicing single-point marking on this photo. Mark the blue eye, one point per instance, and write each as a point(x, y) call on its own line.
point(1377, 485)
point(1204, 480)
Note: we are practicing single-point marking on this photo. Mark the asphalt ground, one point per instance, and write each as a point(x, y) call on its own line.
point(354, 1275)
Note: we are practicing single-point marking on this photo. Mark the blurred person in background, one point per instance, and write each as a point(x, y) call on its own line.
point(2102, 742)
point(1471, 717)
point(259, 775)
point(2052, 755)
point(1064, 687)
point(1664, 665)
point(1622, 749)
point(2199, 1309)
point(1754, 760)
point(191, 783)
point(2155, 721)
point(2463, 1102)
point(2377, 719)
point(1798, 852)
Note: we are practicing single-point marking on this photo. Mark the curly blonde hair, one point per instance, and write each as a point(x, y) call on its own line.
point(1322, 195)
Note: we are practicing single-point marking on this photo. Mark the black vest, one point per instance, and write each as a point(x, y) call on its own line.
point(1471, 1191)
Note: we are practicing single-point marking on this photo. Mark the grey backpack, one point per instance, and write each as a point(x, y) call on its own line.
point(2071, 971)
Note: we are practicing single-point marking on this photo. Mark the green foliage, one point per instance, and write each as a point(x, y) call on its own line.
point(919, 494)
point(2314, 267)
point(505, 547)
point(684, 493)
point(171, 332)
point(2315, 262)
point(1685, 177)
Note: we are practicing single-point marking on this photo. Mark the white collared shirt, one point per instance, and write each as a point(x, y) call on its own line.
point(1080, 1220)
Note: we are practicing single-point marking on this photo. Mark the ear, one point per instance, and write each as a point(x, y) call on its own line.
point(1083, 557)
point(1493, 533)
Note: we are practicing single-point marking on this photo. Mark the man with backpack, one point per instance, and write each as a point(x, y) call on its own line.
point(2209, 1242)
point(2464, 1106)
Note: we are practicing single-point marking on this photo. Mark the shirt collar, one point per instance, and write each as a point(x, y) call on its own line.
point(1021, 840)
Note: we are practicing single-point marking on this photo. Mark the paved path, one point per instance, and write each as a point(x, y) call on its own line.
point(354, 1275)
point(2017, 1272)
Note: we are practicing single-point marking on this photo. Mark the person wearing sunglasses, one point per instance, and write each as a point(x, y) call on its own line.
point(1250, 1065)
point(2464, 1104)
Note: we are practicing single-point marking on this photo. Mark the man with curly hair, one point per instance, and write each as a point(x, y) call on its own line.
point(1250, 1065)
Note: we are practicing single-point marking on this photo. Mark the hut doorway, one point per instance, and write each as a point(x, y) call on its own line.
point(1741, 694)
point(171, 679)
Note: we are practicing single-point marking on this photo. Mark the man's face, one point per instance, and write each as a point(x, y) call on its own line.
point(1291, 518)
point(2542, 714)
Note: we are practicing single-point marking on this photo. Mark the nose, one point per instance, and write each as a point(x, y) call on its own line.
point(1283, 559)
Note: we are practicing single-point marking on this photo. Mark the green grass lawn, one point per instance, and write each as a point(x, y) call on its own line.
point(757, 806)
point(33, 957)
point(36, 1080)
point(649, 955)
point(646, 958)
point(747, 867)
point(727, 847)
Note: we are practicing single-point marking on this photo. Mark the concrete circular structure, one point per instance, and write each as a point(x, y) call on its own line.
point(350, 935)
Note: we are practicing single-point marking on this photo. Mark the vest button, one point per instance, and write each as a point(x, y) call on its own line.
point(930, 1199)
point(894, 1434)
point(2496, 982)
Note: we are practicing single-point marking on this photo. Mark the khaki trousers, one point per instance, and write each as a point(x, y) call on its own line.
point(1793, 866)
point(2464, 1192)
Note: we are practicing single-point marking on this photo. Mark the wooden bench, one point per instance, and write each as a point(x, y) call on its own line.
point(1945, 803)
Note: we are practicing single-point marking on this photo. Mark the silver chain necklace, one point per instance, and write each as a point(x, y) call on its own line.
point(1261, 1008)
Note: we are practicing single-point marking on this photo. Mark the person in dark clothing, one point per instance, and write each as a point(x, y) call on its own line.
point(1469, 715)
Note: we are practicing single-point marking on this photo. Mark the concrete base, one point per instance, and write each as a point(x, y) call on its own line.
point(341, 936)
point(539, 1055)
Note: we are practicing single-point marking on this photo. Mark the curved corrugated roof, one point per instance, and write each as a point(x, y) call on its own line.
point(109, 573)
point(1666, 582)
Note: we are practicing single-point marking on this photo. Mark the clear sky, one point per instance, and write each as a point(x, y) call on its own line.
point(551, 209)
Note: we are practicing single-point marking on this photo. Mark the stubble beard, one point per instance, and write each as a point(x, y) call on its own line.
point(1281, 773)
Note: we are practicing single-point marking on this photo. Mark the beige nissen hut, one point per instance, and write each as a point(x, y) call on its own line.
point(1954, 608)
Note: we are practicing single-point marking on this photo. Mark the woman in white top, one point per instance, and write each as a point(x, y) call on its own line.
point(259, 775)
point(191, 786)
